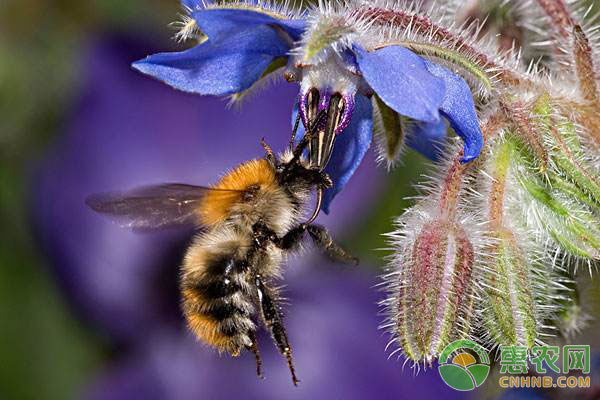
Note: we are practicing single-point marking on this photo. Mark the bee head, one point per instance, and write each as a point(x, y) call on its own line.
point(296, 173)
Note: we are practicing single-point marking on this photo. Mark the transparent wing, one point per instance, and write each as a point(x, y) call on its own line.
point(153, 207)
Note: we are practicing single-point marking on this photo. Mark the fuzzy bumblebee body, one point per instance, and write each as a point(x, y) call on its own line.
point(217, 286)
point(249, 222)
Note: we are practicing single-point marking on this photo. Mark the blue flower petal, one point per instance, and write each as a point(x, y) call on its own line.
point(219, 23)
point(223, 68)
point(350, 147)
point(403, 82)
point(458, 107)
point(428, 138)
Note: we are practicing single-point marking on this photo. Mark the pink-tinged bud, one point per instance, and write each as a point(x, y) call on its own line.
point(432, 290)
point(584, 63)
point(559, 14)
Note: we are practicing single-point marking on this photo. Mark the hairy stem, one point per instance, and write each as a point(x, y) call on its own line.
point(451, 187)
point(519, 116)
point(501, 165)
point(448, 43)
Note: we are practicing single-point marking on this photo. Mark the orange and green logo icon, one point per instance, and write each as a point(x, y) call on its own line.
point(464, 365)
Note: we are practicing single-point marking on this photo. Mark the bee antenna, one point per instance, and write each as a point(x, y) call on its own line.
point(270, 155)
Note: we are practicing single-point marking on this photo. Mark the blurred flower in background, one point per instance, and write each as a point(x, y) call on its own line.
point(45, 352)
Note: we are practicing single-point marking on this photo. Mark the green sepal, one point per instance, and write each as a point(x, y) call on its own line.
point(575, 229)
point(390, 128)
point(323, 35)
point(567, 194)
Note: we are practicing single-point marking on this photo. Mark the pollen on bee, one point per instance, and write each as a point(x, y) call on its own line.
point(216, 205)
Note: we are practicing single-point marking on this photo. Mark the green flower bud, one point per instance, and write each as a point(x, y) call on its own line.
point(522, 290)
point(510, 315)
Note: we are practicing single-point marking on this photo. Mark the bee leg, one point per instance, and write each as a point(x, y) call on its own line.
point(263, 234)
point(303, 144)
point(292, 238)
point(324, 241)
point(271, 314)
point(254, 348)
point(318, 205)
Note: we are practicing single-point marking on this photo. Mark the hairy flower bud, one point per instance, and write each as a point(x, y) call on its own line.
point(512, 317)
point(432, 290)
point(521, 286)
point(563, 204)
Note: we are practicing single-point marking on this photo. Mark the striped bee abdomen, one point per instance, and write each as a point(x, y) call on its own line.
point(217, 301)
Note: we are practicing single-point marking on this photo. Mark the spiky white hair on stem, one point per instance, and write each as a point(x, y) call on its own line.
point(276, 9)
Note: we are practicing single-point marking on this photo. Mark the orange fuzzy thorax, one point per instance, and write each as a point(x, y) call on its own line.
point(217, 204)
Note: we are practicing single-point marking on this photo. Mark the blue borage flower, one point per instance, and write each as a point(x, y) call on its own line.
point(341, 65)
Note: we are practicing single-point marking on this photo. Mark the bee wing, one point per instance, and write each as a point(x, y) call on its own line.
point(152, 207)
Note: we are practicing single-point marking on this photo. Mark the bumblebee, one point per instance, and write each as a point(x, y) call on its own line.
point(248, 223)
